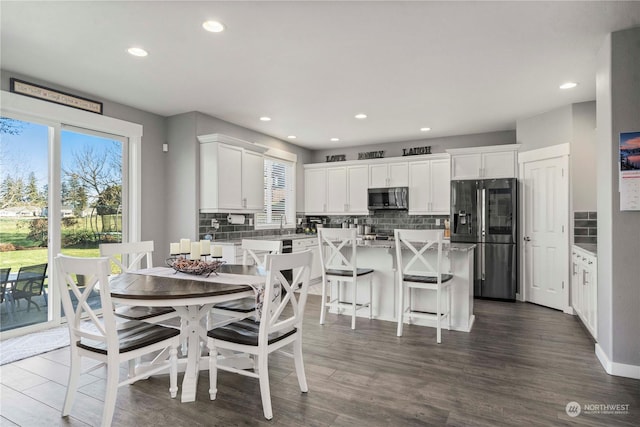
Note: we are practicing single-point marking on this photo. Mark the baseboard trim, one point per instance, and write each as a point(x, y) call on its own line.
point(617, 369)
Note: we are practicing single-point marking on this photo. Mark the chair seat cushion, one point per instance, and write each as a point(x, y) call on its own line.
point(134, 336)
point(244, 305)
point(347, 273)
point(141, 313)
point(427, 279)
point(246, 332)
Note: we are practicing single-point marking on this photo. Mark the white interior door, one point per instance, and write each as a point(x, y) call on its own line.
point(546, 200)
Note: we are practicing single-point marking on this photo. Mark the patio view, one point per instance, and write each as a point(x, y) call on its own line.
point(90, 213)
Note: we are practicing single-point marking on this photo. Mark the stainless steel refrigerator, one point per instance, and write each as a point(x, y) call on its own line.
point(484, 212)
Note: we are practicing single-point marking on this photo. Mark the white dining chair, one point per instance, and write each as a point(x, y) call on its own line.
point(416, 272)
point(127, 257)
point(338, 257)
point(104, 340)
point(254, 252)
point(280, 324)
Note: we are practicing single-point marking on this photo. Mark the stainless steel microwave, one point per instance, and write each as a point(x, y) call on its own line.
point(388, 198)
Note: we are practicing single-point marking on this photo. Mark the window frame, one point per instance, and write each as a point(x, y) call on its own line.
point(290, 160)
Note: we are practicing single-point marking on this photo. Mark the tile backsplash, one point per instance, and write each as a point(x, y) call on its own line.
point(380, 222)
point(585, 227)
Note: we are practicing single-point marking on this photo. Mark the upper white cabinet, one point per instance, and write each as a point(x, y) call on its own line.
point(389, 174)
point(430, 186)
point(500, 161)
point(336, 190)
point(315, 191)
point(231, 175)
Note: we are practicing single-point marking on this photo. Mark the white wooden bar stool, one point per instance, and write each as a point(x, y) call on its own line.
point(416, 272)
point(336, 267)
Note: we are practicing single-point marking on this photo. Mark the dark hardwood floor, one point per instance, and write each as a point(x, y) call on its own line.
point(520, 365)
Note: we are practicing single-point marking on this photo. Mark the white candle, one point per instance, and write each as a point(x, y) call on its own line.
point(195, 250)
point(205, 247)
point(174, 248)
point(217, 251)
point(185, 246)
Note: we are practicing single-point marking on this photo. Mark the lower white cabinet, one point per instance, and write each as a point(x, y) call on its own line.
point(310, 243)
point(584, 288)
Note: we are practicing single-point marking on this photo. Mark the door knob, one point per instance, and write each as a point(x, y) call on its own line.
point(527, 238)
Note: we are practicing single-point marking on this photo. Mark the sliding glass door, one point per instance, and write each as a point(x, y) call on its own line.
point(63, 189)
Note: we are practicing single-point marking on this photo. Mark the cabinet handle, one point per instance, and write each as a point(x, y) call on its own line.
point(584, 277)
point(346, 207)
point(574, 268)
point(324, 207)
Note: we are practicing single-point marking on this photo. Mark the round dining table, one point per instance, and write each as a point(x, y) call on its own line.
point(192, 297)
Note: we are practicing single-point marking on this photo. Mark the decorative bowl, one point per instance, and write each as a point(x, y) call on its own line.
point(194, 266)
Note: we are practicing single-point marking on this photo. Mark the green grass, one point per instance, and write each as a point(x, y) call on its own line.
point(15, 231)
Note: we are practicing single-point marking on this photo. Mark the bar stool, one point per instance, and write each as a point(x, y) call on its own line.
point(336, 267)
point(418, 273)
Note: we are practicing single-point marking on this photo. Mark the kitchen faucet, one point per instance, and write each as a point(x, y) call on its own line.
point(283, 218)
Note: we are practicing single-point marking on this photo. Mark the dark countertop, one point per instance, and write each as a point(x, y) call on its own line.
point(592, 248)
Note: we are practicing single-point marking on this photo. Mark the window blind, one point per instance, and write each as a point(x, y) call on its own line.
point(278, 194)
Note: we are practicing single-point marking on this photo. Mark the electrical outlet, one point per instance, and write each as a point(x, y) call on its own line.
point(437, 221)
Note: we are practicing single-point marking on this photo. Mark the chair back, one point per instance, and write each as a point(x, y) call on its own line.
point(4, 277)
point(96, 277)
point(127, 256)
point(337, 249)
point(287, 312)
point(415, 243)
point(250, 247)
point(30, 281)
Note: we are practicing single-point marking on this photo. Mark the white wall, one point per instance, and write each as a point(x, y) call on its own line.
point(544, 130)
point(583, 157)
point(438, 145)
point(618, 109)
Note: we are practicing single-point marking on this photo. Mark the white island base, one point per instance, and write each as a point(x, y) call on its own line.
point(380, 256)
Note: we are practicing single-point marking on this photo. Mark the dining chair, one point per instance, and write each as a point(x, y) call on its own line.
point(4, 278)
point(280, 324)
point(416, 272)
point(254, 252)
point(104, 340)
point(339, 264)
point(127, 257)
point(28, 284)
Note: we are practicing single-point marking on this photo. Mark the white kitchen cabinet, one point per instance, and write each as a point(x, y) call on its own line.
point(336, 190)
point(315, 191)
point(231, 175)
point(498, 161)
point(391, 174)
point(311, 244)
point(584, 288)
point(429, 187)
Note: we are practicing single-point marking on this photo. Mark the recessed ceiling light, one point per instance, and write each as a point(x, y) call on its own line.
point(361, 116)
point(425, 129)
point(335, 139)
point(137, 51)
point(213, 26)
point(291, 137)
point(568, 85)
point(265, 119)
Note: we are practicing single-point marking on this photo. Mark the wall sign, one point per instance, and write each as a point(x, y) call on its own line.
point(630, 171)
point(55, 96)
point(414, 151)
point(371, 155)
point(337, 158)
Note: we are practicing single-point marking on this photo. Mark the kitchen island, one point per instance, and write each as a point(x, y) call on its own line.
point(457, 259)
point(380, 255)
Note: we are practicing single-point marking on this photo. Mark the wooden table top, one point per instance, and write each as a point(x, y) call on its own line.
point(141, 286)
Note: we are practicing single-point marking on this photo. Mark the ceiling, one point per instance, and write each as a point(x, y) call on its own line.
point(456, 67)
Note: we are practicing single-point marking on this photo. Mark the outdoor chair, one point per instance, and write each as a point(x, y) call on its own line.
point(280, 324)
point(104, 340)
point(29, 284)
point(4, 278)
